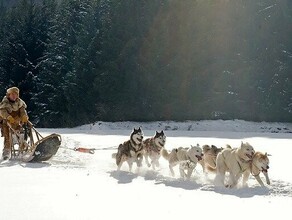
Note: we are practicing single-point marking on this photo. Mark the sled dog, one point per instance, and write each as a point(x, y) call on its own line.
point(236, 161)
point(260, 163)
point(131, 151)
point(209, 159)
point(152, 147)
point(187, 158)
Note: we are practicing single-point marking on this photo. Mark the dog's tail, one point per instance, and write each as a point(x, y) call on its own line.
point(228, 146)
point(118, 155)
point(114, 155)
point(165, 154)
point(211, 169)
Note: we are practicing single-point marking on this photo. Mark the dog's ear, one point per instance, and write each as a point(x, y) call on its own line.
point(248, 144)
point(206, 146)
point(139, 129)
point(162, 133)
point(214, 147)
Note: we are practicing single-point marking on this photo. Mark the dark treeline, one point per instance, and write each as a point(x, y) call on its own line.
point(81, 61)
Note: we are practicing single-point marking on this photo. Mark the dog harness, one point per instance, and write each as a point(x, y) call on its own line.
point(149, 146)
point(140, 147)
point(251, 166)
point(242, 160)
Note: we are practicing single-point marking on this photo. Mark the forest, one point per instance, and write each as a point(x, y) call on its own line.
point(81, 61)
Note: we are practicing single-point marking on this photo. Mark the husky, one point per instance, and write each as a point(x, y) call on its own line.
point(236, 161)
point(187, 158)
point(152, 147)
point(208, 162)
point(260, 163)
point(130, 151)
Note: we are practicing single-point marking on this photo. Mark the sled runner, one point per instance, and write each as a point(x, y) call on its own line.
point(29, 145)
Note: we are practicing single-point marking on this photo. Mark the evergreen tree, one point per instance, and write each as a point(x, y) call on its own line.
point(81, 61)
point(70, 66)
point(22, 47)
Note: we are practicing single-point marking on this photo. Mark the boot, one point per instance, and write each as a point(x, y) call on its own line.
point(6, 154)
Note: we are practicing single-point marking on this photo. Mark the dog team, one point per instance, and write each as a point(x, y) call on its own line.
point(239, 162)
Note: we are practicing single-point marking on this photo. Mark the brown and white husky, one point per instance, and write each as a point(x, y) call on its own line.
point(152, 147)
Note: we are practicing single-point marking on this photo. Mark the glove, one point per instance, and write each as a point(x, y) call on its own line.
point(24, 119)
point(10, 119)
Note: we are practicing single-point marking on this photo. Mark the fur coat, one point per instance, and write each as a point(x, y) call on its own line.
point(15, 109)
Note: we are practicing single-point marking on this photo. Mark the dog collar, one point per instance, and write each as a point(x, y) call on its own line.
point(140, 146)
point(190, 159)
point(157, 147)
point(243, 161)
point(251, 169)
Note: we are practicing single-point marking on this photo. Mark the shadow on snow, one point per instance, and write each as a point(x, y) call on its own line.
point(278, 188)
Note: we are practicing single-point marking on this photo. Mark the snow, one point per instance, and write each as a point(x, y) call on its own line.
point(74, 185)
point(206, 125)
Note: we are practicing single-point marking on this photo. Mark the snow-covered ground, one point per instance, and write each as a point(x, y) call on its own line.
point(75, 185)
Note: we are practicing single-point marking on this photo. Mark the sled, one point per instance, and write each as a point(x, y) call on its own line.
point(28, 145)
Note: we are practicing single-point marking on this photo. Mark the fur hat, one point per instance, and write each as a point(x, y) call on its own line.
point(13, 90)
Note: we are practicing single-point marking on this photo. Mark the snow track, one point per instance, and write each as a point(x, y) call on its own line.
point(74, 185)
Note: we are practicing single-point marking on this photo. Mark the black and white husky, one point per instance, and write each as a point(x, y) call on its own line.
point(131, 151)
point(152, 147)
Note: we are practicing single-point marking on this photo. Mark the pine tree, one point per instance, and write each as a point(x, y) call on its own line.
point(71, 64)
point(22, 47)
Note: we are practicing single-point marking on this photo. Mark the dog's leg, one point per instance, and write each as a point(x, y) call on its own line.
point(120, 160)
point(190, 171)
point(171, 170)
point(267, 178)
point(130, 163)
point(245, 178)
point(233, 180)
point(219, 179)
point(119, 167)
point(257, 177)
point(139, 160)
point(156, 162)
point(146, 159)
point(181, 170)
point(152, 158)
point(220, 171)
point(153, 164)
point(230, 181)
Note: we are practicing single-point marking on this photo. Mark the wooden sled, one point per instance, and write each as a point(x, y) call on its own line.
point(28, 145)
